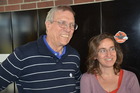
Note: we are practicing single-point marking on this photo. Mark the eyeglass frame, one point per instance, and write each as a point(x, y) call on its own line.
point(105, 51)
point(64, 24)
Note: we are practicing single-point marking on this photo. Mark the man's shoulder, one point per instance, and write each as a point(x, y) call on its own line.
point(72, 50)
point(30, 46)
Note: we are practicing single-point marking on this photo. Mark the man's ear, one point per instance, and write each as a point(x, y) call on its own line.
point(47, 23)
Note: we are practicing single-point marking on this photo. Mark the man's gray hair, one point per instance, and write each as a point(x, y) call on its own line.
point(51, 13)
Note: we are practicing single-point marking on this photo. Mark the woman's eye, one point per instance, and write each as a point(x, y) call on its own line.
point(102, 50)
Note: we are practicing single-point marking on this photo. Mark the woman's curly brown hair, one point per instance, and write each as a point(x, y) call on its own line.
point(93, 64)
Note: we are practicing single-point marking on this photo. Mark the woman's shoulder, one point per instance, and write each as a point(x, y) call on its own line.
point(129, 75)
point(130, 80)
point(127, 72)
point(88, 75)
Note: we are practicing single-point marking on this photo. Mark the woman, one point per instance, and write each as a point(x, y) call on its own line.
point(104, 74)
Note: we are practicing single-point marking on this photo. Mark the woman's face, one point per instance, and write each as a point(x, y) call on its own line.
point(106, 54)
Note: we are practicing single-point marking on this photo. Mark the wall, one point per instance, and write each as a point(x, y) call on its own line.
point(20, 5)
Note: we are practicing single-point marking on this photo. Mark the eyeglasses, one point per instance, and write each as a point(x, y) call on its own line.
point(64, 24)
point(105, 51)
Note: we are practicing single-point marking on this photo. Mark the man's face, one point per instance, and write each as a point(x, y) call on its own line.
point(57, 33)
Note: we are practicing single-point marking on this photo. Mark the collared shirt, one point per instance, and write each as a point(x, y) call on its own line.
point(35, 69)
point(57, 54)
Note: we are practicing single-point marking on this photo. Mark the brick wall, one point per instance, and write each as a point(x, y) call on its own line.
point(20, 5)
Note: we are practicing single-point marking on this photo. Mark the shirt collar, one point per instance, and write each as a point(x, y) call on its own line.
point(57, 54)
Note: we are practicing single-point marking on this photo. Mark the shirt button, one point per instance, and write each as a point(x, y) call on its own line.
point(70, 75)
